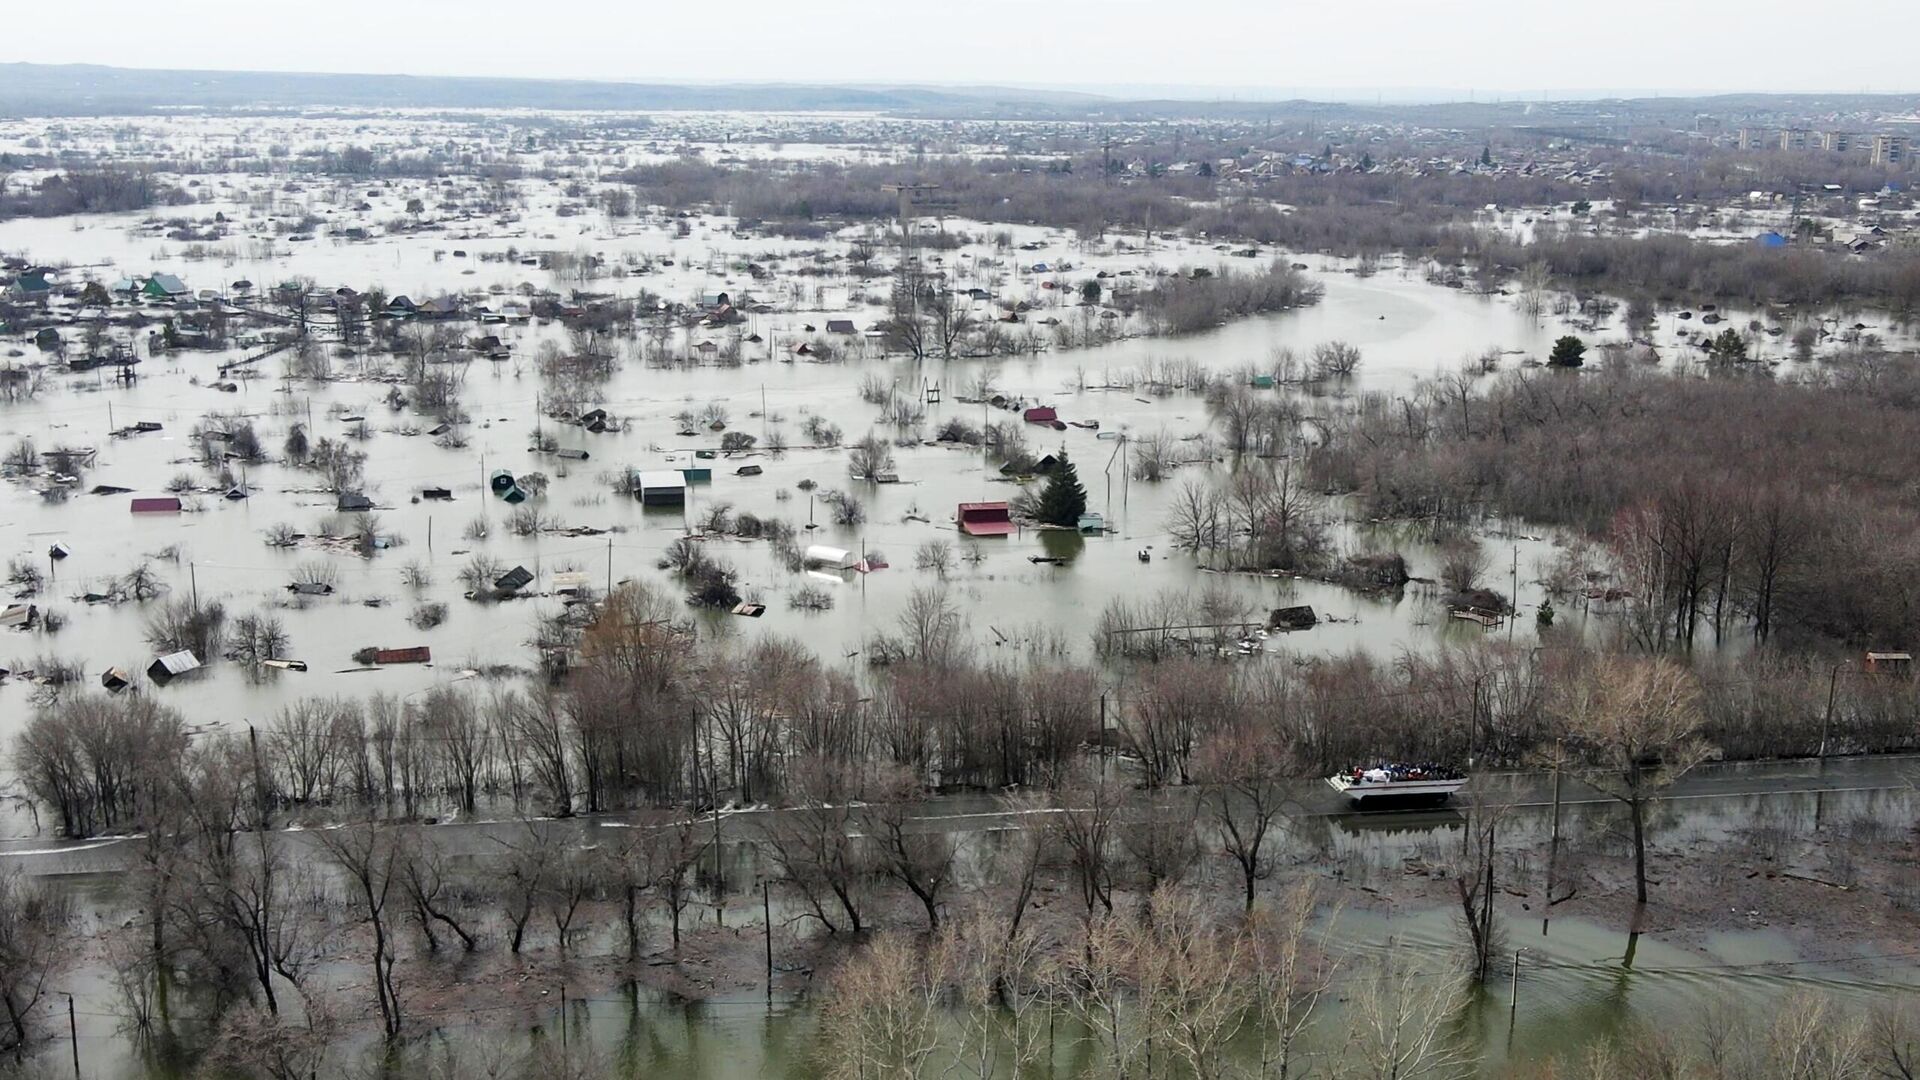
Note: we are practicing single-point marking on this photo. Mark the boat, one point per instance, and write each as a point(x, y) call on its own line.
point(1393, 783)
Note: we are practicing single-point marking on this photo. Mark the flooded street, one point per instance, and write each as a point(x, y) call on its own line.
point(1578, 979)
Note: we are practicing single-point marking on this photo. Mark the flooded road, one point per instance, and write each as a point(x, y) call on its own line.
point(1578, 979)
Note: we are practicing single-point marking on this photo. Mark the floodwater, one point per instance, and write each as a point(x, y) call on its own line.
point(1578, 979)
point(1405, 327)
point(1575, 980)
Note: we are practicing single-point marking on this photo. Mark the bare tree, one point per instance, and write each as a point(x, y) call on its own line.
point(1634, 726)
point(919, 858)
point(35, 928)
point(884, 1014)
point(1335, 360)
point(369, 856)
point(1289, 976)
point(432, 889)
point(1400, 1023)
point(1245, 766)
point(870, 458)
point(817, 848)
point(1087, 810)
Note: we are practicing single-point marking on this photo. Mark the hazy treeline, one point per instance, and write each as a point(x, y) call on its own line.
point(86, 191)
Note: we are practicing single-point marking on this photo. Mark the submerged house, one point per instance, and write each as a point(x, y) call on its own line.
point(171, 666)
point(663, 487)
point(984, 519)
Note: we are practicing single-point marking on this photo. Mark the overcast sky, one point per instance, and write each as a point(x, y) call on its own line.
point(1245, 48)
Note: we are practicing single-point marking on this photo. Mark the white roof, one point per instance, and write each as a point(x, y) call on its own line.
point(834, 556)
point(662, 478)
point(178, 663)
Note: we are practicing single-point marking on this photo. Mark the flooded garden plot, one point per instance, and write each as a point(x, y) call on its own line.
point(628, 511)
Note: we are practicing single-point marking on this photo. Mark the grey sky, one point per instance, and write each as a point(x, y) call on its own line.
point(1244, 47)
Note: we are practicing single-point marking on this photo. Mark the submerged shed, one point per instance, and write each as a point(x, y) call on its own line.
point(418, 654)
point(165, 669)
point(663, 487)
point(824, 557)
point(984, 519)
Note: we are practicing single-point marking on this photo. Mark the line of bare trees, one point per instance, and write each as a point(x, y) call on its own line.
point(1761, 505)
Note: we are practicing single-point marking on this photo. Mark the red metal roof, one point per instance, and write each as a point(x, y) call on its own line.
point(156, 506)
point(418, 654)
point(1040, 414)
point(985, 519)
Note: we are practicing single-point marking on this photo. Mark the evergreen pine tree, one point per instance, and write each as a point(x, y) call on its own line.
point(1064, 500)
point(1568, 351)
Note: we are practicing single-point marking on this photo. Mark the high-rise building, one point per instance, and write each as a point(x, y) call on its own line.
point(1891, 149)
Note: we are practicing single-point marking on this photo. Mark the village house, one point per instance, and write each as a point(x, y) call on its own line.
point(165, 287)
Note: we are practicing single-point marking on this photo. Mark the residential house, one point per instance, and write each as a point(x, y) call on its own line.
point(31, 286)
point(663, 487)
point(165, 287)
point(165, 669)
point(984, 519)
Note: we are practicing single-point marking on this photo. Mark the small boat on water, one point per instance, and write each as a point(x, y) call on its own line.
point(1394, 782)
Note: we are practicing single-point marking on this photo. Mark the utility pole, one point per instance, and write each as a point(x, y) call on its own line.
point(565, 1069)
point(1516, 594)
point(1513, 994)
point(1553, 848)
point(609, 566)
point(766, 914)
point(73, 1037)
point(194, 577)
point(259, 785)
point(1826, 719)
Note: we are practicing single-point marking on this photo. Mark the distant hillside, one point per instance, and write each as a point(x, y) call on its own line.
point(90, 90)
